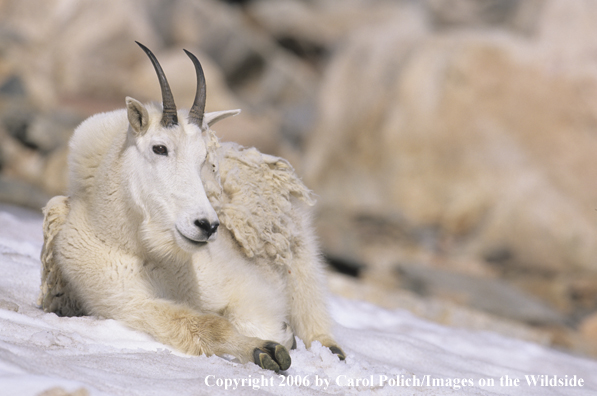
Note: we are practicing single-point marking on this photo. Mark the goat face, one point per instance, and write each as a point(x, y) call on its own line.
point(164, 167)
point(165, 159)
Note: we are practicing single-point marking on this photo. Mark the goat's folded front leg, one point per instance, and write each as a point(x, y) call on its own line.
point(196, 334)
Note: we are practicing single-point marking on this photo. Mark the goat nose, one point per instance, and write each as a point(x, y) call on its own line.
point(207, 227)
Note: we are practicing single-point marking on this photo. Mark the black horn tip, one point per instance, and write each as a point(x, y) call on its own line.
point(198, 109)
point(190, 54)
point(144, 48)
point(196, 62)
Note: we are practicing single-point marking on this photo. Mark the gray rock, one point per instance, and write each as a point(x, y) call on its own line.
point(23, 194)
point(13, 86)
point(49, 131)
point(517, 15)
point(487, 294)
point(16, 116)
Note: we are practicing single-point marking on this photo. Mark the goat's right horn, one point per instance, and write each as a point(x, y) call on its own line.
point(169, 116)
point(198, 108)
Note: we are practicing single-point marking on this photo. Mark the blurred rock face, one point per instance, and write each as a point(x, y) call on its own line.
point(464, 146)
point(465, 135)
point(451, 142)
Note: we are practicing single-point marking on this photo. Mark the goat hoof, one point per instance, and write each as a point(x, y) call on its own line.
point(280, 353)
point(338, 352)
point(263, 360)
point(272, 356)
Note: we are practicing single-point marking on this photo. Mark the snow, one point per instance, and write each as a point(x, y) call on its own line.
point(40, 351)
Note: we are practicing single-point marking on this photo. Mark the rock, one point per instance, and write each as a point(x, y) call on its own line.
point(33, 149)
point(16, 116)
point(51, 131)
point(588, 328)
point(321, 24)
point(20, 161)
point(516, 14)
point(12, 86)
point(486, 294)
point(435, 309)
point(75, 50)
point(223, 34)
point(487, 178)
point(451, 147)
point(272, 83)
point(28, 177)
point(344, 265)
point(303, 21)
point(21, 193)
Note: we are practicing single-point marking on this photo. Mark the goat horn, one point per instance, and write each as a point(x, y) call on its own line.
point(198, 108)
point(169, 116)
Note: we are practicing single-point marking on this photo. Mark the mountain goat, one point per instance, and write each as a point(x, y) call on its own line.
point(204, 245)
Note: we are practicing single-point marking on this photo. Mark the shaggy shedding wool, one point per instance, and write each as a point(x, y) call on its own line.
point(256, 204)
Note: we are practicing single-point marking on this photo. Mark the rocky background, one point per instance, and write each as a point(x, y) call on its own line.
point(452, 143)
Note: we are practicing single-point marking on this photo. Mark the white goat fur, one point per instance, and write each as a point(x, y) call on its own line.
point(111, 247)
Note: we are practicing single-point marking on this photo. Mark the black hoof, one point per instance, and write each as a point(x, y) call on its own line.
point(280, 353)
point(338, 352)
point(272, 356)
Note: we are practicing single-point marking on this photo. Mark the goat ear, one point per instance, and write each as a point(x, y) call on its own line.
point(138, 115)
point(215, 116)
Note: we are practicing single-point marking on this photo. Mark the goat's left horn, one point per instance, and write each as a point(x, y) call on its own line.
point(198, 108)
point(169, 116)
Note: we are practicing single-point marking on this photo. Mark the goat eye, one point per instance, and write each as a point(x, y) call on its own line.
point(160, 149)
